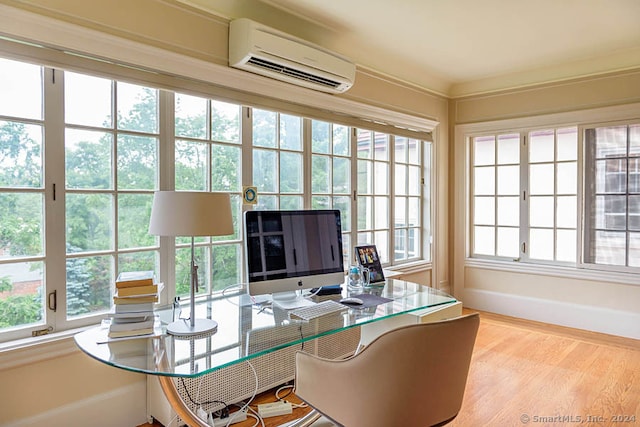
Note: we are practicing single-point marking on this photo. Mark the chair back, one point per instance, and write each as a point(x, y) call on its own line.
point(411, 376)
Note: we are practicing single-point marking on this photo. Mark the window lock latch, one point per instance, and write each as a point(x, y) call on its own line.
point(41, 332)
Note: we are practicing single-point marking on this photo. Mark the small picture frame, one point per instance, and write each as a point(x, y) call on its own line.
point(367, 256)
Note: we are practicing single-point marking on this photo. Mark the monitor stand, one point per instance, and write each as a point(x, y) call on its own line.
point(290, 299)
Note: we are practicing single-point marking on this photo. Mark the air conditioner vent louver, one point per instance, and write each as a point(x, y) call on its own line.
point(272, 53)
point(292, 72)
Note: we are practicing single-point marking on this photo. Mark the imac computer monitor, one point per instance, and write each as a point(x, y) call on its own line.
point(292, 250)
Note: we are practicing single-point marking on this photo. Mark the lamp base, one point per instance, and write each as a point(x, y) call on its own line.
point(182, 327)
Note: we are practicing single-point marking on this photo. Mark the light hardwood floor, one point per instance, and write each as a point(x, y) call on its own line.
point(529, 373)
point(540, 374)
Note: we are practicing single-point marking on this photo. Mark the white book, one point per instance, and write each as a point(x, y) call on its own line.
point(124, 315)
point(134, 308)
point(131, 333)
point(131, 326)
point(131, 317)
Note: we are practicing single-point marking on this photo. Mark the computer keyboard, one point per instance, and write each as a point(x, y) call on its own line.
point(317, 310)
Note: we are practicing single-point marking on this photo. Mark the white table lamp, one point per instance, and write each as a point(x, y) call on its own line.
point(191, 213)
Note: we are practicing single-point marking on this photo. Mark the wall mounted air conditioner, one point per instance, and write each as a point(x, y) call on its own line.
point(262, 50)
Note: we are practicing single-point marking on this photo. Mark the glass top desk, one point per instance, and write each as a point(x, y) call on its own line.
point(247, 328)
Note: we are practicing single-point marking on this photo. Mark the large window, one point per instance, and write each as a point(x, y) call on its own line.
point(208, 157)
point(22, 196)
point(408, 183)
point(526, 205)
point(496, 195)
point(331, 175)
point(552, 201)
point(277, 160)
point(111, 171)
point(612, 195)
point(374, 165)
point(81, 156)
point(392, 172)
point(524, 192)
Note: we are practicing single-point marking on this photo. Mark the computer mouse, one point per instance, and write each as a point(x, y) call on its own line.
point(352, 301)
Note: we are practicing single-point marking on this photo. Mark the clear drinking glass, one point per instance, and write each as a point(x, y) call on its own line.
point(358, 277)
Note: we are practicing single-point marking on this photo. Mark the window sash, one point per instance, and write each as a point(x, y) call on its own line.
point(509, 211)
point(611, 233)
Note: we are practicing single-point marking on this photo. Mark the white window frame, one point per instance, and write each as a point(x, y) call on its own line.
point(462, 222)
point(172, 70)
point(522, 252)
point(587, 181)
point(55, 125)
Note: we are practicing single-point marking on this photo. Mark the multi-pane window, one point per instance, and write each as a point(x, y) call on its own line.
point(612, 195)
point(392, 172)
point(496, 194)
point(374, 190)
point(553, 172)
point(111, 172)
point(108, 145)
point(525, 195)
point(277, 160)
point(407, 200)
point(208, 157)
point(22, 196)
point(331, 174)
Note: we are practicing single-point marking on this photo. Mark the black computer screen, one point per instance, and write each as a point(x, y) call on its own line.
point(293, 249)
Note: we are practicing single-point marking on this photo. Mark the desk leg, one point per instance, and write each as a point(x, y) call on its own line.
point(171, 392)
point(192, 420)
point(176, 402)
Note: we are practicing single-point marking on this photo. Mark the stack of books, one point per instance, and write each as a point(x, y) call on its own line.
point(136, 292)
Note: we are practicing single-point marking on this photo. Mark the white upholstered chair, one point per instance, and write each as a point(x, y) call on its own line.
point(413, 376)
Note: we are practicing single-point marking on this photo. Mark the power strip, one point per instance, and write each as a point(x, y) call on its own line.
point(234, 417)
point(274, 409)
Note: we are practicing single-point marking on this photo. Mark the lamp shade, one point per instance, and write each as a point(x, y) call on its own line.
point(190, 213)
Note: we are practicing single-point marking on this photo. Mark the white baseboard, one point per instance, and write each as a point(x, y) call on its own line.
point(124, 406)
point(590, 318)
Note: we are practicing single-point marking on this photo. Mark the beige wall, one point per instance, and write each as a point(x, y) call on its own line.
point(175, 28)
point(592, 303)
point(602, 91)
point(71, 390)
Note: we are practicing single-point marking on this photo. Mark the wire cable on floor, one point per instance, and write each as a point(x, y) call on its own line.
point(246, 408)
point(282, 399)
